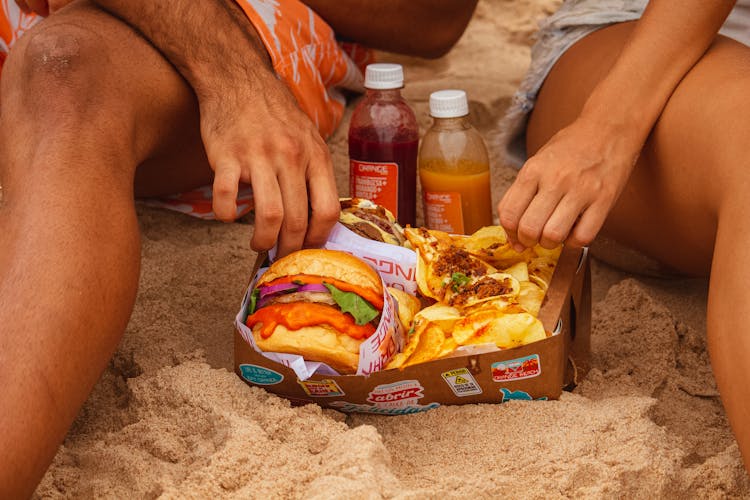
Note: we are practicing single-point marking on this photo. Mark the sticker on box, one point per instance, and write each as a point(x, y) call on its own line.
point(325, 388)
point(461, 382)
point(507, 395)
point(516, 369)
point(260, 375)
point(398, 398)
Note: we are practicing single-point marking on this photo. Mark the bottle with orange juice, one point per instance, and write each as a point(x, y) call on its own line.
point(454, 168)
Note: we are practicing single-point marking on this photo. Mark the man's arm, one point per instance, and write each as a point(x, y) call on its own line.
point(426, 28)
point(252, 129)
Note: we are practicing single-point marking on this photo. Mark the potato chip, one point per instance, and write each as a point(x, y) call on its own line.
point(485, 238)
point(540, 271)
point(473, 324)
point(408, 306)
point(428, 283)
point(505, 331)
point(412, 341)
point(397, 361)
point(429, 347)
point(491, 244)
point(531, 297)
point(449, 346)
point(551, 255)
point(442, 315)
point(534, 334)
point(519, 270)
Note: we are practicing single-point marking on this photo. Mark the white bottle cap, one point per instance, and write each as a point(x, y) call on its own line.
point(449, 104)
point(382, 76)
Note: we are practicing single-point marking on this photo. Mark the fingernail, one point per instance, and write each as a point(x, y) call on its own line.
point(518, 247)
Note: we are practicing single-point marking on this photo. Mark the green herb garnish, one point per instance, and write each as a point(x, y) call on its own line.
point(458, 280)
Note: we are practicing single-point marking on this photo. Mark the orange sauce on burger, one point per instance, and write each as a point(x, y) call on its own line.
point(296, 315)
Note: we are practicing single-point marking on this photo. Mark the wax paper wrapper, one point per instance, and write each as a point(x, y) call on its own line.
point(396, 265)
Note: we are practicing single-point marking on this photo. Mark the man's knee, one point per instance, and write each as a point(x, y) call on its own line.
point(56, 66)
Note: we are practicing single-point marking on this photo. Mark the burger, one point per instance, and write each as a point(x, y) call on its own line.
point(371, 221)
point(321, 304)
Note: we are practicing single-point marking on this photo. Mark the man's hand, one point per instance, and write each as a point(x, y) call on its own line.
point(566, 190)
point(264, 139)
point(252, 128)
point(42, 7)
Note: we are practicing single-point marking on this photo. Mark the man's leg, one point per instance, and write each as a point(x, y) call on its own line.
point(687, 201)
point(84, 101)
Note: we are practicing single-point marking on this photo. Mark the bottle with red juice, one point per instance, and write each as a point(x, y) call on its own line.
point(383, 144)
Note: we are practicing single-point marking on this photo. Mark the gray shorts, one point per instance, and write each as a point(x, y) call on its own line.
point(574, 20)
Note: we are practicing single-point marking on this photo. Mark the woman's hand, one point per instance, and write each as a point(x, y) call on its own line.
point(565, 191)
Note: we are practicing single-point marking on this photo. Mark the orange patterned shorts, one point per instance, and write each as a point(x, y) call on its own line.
point(305, 55)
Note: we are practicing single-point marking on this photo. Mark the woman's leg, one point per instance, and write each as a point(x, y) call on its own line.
point(687, 201)
point(84, 101)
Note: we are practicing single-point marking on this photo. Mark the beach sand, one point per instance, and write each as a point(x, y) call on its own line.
point(170, 418)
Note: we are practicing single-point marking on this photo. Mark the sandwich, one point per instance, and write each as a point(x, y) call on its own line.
point(321, 304)
point(371, 221)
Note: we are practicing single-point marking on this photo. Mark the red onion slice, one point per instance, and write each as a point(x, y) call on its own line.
point(313, 287)
point(274, 289)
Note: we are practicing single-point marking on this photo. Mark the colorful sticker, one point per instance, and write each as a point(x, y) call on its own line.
point(325, 388)
point(260, 375)
point(398, 398)
point(397, 394)
point(443, 211)
point(507, 395)
point(461, 382)
point(375, 181)
point(516, 369)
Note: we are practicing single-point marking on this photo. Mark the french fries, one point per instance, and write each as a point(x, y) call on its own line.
point(486, 293)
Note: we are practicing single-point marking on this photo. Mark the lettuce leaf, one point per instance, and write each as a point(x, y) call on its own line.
point(362, 311)
point(253, 301)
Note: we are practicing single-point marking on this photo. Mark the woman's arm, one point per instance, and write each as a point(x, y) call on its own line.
point(426, 28)
point(567, 189)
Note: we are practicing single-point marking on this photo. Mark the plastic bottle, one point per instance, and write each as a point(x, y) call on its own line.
point(383, 144)
point(454, 168)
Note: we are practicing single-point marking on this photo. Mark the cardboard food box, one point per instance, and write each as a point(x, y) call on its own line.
point(539, 370)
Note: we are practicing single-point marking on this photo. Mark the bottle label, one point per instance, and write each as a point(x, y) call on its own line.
point(377, 182)
point(443, 211)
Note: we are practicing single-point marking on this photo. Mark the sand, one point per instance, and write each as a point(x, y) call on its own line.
point(169, 418)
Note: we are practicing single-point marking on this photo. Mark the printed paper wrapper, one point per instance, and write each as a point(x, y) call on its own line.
point(374, 353)
point(396, 265)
